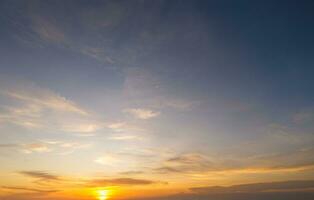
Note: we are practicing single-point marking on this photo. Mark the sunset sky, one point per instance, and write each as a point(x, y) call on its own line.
point(146, 99)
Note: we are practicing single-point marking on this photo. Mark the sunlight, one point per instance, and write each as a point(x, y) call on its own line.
point(103, 194)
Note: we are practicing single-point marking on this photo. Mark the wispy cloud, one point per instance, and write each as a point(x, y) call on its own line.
point(27, 189)
point(258, 187)
point(40, 175)
point(134, 172)
point(125, 137)
point(8, 145)
point(37, 97)
point(204, 166)
point(37, 108)
point(141, 113)
point(35, 147)
point(121, 181)
point(145, 88)
point(66, 148)
point(186, 159)
point(46, 29)
point(106, 160)
point(185, 163)
point(27, 147)
point(124, 127)
point(56, 147)
point(303, 117)
point(82, 127)
point(97, 53)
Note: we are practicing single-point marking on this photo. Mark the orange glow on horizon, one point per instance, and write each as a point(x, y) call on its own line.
point(103, 194)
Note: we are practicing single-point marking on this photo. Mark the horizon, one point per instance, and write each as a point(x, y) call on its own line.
point(156, 100)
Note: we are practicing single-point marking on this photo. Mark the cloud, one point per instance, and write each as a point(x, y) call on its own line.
point(66, 148)
point(179, 104)
point(57, 147)
point(134, 172)
point(265, 170)
point(8, 146)
point(124, 127)
point(185, 163)
point(27, 189)
point(82, 127)
point(120, 181)
point(72, 145)
point(145, 88)
point(97, 53)
point(187, 159)
point(43, 29)
point(37, 98)
point(106, 160)
point(302, 117)
point(258, 187)
point(27, 148)
point(46, 29)
point(125, 137)
point(41, 175)
point(36, 108)
point(141, 113)
point(288, 190)
point(200, 165)
point(35, 147)
point(117, 126)
point(168, 170)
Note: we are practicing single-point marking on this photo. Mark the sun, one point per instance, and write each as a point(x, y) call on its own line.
point(103, 194)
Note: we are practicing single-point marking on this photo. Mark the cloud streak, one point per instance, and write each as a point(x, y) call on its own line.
point(28, 189)
point(196, 164)
point(258, 187)
point(45, 98)
point(40, 175)
point(141, 113)
point(36, 147)
point(34, 108)
point(121, 181)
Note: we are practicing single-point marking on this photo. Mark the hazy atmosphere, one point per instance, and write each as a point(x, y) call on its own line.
point(156, 99)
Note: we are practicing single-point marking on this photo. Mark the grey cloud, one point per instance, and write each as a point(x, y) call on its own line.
point(303, 117)
point(41, 175)
point(46, 29)
point(239, 196)
point(288, 190)
point(8, 146)
point(187, 159)
point(28, 189)
point(121, 181)
point(257, 187)
point(185, 163)
point(293, 161)
point(147, 88)
point(131, 172)
point(165, 170)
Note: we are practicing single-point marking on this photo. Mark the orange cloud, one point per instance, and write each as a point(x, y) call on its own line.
point(120, 181)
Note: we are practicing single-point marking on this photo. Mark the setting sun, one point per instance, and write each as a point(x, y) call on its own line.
point(102, 194)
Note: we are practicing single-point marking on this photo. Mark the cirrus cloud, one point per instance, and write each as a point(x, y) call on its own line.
point(142, 113)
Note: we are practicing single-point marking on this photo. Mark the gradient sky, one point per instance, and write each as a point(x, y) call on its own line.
point(149, 98)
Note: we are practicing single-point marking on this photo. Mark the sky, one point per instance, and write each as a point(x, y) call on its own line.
point(163, 99)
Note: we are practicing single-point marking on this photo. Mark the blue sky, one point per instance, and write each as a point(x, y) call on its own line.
point(215, 92)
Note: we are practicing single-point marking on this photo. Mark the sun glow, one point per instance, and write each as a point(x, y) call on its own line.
point(103, 194)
